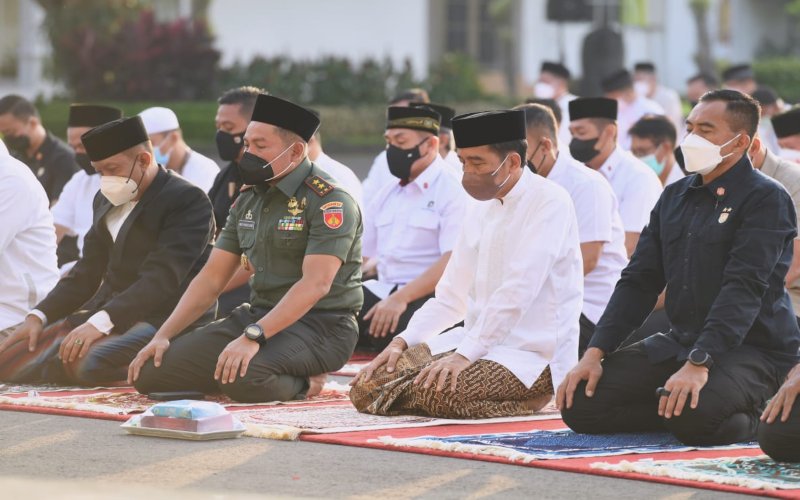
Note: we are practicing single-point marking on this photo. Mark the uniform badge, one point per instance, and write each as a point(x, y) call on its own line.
point(245, 263)
point(333, 214)
point(294, 207)
point(720, 191)
point(291, 223)
point(319, 185)
point(726, 212)
point(247, 222)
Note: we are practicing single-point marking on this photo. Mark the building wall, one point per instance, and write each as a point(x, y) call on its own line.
point(310, 29)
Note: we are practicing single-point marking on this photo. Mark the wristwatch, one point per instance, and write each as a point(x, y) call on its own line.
point(255, 332)
point(700, 358)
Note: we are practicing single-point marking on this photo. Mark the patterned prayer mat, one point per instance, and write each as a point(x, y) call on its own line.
point(126, 401)
point(556, 444)
point(759, 473)
point(276, 422)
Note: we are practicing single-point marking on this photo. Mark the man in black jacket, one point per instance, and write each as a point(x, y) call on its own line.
point(151, 235)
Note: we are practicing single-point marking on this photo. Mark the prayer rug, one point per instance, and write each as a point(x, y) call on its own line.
point(345, 418)
point(119, 403)
point(553, 444)
point(758, 473)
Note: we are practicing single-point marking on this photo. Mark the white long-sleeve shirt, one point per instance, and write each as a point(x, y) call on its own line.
point(73, 210)
point(28, 269)
point(515, 278)
point(637, 187)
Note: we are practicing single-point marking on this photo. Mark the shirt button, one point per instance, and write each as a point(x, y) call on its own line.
point(689, 235)
point(685, 287)
point(261, 269)
point(266, 210)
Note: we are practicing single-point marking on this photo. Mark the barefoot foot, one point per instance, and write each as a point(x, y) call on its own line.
point(315, 385)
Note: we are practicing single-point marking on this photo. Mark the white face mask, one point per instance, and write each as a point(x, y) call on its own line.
point(641, 88)
point(544, 90)
point(700, 155)
point(119, 190)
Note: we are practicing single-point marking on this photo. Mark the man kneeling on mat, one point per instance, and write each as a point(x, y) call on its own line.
point(722, 240)
point(515, 278)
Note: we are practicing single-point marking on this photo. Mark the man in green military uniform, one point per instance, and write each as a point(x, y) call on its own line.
point(300, 235)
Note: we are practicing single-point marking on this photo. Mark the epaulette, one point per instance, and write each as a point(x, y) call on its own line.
point(319, 185)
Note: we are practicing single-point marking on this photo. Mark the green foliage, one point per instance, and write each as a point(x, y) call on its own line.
point(455, 79)
point(117, 50)
point(780, 73)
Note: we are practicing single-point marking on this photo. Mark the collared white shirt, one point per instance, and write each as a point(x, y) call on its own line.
point(629, 114)
point(378, 177)
point(564, 136)
point(73, 210)
point(200, 170)
point(598, 220)
point(28, 268)
point(636, 185)
point(408, 228)
point(342, 173)
point(515, 279)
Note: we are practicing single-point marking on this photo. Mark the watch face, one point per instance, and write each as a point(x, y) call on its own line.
point(252, 332)
point(698, 357)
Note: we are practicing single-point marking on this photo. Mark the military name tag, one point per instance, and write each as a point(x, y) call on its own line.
point(247, 224)
point(291, 223)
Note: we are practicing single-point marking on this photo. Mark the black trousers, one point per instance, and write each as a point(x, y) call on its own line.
point(739, 384)
point(781, 440)
point(229, 301)
point(657, 322)
point(320, 342)
point(367, 341)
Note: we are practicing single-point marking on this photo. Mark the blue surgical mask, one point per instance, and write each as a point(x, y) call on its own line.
point(161, 157)
point(652, 162)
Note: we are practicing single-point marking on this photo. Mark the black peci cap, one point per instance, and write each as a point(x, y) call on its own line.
point(593, 107)
point(555, 68)
point(447, 113)
point(114, 137)
point(617, 80)
point(421, 118)
point(738, 73)
point(488, 127)
point(286, 115)
point(787, 124)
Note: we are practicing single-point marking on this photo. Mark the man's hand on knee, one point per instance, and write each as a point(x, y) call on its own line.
point(438, 372)
point(235, 358)
point(782, 403)
point(154, 349)
point(388, 357)
point(77, 343)
point(29, 330)
point(590, 369)
point(686, 382)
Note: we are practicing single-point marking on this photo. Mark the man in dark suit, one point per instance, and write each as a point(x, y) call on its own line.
point(151, 234)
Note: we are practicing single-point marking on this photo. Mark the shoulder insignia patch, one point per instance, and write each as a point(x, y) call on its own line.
point(319, 185)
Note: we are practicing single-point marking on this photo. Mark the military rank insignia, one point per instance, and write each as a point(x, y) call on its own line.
point(319, 185)
point(291, 223)
point(726, 212)
point(333, 214)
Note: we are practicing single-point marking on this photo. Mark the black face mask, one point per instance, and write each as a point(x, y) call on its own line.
point(530, 163)
point(400, 160)
point(17, 143)
point(583, 149)
point(255, 170)
point(82, 159)
point(229, 145)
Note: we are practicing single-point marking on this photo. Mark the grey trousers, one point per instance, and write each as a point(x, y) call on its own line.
point(320, 342)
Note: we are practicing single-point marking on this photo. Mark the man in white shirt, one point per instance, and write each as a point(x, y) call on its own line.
point(413, 226)
point(514, 279)
point(553, 84)
point(379, 175)
point(771, 105)
point(72, 213)
point(594, 143)
point(631, 106)
point(27, 243)
point(653, 140)
point(172, 152)
point(600, 230)
point(740, 77)
point(646, 84)
point(341, 172)
point(151, 235)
